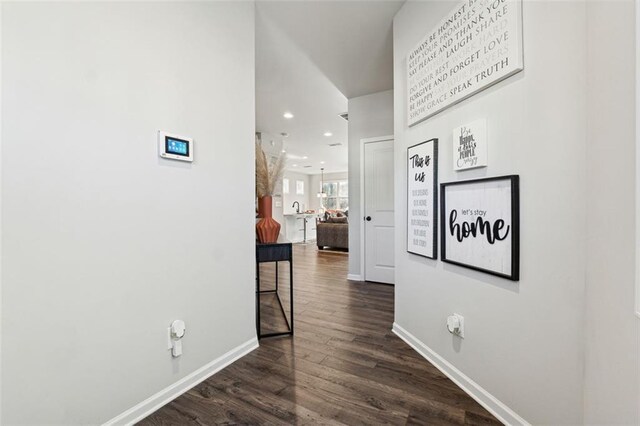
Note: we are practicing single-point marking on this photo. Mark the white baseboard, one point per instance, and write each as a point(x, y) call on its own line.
point(474, 390)
point(354, 277)
point(170, 393)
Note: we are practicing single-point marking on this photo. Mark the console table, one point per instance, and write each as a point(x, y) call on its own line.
point(280, 251)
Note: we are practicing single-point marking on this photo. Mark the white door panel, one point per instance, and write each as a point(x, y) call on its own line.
point(383, 240)
point(379, 207)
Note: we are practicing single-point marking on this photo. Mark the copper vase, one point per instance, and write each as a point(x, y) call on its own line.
point(267, 228)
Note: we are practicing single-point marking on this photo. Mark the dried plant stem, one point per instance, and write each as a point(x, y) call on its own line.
point(267, 175)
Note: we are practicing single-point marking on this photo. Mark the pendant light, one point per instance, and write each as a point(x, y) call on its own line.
point(322, 194)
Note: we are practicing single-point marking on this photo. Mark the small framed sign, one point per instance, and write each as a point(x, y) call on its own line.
point(422, 201)
point(480, 225)
point(470, 146)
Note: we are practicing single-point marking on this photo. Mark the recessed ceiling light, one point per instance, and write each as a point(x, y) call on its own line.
point(287, 115)
point(284, 151)
point(305, 157)
point(327, 134)
point(322, 162)
point(295, 165)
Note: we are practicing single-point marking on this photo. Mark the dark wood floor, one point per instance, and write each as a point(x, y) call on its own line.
point(344, 366)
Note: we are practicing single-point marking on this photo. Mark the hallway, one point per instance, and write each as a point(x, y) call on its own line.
point(343, 366)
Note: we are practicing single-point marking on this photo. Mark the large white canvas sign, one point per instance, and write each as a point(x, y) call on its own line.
point(476, 45)
point(480, 225)
point(422, 183)
point(470, 146)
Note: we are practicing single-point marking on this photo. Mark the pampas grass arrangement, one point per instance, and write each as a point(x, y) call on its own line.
point(267, 175)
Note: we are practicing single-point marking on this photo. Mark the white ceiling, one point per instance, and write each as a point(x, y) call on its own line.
point(310, 57)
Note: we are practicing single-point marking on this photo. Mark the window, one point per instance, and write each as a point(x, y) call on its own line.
point(300, 187)
point(285, 186)
point(337, 195)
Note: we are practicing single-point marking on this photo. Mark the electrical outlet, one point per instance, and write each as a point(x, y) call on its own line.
point(455, 325)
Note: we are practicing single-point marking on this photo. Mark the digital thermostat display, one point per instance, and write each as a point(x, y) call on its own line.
point(175, 147)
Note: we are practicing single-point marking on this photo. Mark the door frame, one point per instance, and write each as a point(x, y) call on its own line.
point(363, 269)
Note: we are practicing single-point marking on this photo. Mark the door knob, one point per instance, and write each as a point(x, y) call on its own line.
point(368, 218)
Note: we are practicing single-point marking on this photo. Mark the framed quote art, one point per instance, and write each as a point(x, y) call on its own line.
point(422, 201)
point(477, 44)
point(480, 225)
point(470, 146)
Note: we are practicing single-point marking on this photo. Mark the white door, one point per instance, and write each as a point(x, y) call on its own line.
point(378, 212)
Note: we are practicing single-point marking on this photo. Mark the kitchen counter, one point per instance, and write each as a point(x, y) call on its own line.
point(300, 227)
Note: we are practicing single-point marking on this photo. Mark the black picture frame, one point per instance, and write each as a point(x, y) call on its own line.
point(434, 191)
point(514, 240)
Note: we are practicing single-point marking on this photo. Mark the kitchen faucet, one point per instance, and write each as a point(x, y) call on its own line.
point(297, 208)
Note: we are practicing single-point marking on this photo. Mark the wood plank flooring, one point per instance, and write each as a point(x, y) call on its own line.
point(343, 366)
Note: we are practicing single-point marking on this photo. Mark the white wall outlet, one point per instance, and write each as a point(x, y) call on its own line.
point(455, 325)
point(176, 333)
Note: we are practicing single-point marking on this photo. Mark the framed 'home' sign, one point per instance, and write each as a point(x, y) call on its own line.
point(422, 201)
point(480, 225)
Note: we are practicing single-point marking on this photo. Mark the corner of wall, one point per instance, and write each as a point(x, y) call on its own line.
point(369, 116)
point(612, 330)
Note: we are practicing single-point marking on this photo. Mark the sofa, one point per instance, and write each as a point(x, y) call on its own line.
point(333, 232)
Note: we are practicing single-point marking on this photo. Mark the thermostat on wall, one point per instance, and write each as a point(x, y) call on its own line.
point(175, 147)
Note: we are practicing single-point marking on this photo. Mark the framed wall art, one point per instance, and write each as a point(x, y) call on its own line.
point(422, 200)
point(477, 44)
point(470, 146)
point(480, 225)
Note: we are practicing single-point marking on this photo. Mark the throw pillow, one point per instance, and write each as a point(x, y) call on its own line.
point(342, 219)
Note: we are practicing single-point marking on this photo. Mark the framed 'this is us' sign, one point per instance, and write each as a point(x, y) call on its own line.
point(422, 201)
point(480, 225)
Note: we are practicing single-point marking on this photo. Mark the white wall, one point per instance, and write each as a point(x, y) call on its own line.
point(292, 197)
point(1, 185)
point(1, 133)
point(370, 116)
point(612, 370)
point(104, 243)
point(524, 340)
